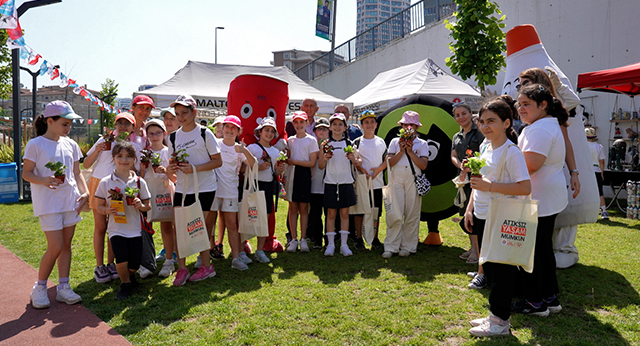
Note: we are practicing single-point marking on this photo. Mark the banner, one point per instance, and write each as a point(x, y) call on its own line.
point(323, 19)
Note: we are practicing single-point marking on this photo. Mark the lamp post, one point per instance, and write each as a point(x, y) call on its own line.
point(34, 76)
point(221, 28)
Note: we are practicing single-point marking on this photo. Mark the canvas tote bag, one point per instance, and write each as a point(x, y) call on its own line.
point(288, 182)
point(252, 212)
point(361, 187)
point(393, 212)
point(368, 229)
point(191, 231)
point(510, 228)
point(162, 191)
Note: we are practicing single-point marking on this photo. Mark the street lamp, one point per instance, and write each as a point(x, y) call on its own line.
point(221, 28)
point(34, 76)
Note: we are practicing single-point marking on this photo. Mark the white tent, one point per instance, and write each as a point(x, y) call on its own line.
point(209, 84)
point(423, 77)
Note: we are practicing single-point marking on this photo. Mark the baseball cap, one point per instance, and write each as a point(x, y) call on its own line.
point(218, 120)
point(321, 122)
point(142, 100)
point(338, 116)
point(185, 100)
point(232, 119)
point(168, 110)
point(155, 122)
point(299, 115)
point(367, 114)
point(61, 109)
point(128, 116)
point(267, 122)
point(590, 132)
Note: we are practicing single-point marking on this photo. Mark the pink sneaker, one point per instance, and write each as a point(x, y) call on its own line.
point(203, 273)
point(181, 277)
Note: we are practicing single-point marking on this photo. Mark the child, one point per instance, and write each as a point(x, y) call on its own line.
point(339, 194)
point(303, 153)
point(169, 119)
point(402, 237)
point(217, 248)
point(56, 202)
point(597, 157)
point(226, 201)
point(125, 238)
point(373, 151)
point(315, 228)
point(495, 124)
point(99, 157)
point(204, 154)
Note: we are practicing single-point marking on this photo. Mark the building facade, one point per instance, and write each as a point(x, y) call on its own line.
point(372, 12)
point(295, 59)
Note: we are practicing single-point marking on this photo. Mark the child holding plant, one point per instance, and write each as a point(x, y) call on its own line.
point(124, 233)
point(315, 229)
point(99, 156)
point(495, 124)
point(339, 194)
point(56, 202)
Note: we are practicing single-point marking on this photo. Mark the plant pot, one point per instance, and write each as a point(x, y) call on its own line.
point(61, 178)
point(107, 145)
point(155, 169)
point(144, 165)
point(476, 175)
point(129, 200)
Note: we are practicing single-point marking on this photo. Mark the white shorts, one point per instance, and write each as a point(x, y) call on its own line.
point(228, 205)
point(58, 221)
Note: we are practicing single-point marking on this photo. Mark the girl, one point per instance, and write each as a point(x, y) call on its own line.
point(495, 124)
point(544, 151)
point(56, 202)
point(303, 153)
point(101, 157)
point(402, 237)
point(269, 168)
point(339, 194)
point(204, 154)
point(125, 237)
point(316, 206)
point(169, 119)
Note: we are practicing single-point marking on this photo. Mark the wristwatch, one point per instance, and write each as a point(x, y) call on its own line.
point(575, 171)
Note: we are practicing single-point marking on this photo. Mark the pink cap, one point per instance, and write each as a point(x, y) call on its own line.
point(142, 100)
point(128, 116)
point(410, 117)
point(299, 115)
point(232, 119)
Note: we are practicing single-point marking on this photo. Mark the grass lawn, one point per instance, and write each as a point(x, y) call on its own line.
point(308, 299)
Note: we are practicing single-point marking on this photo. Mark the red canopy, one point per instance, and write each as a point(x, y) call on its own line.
point(624, 80)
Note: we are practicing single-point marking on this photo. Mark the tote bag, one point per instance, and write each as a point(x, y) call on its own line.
point(368, 229)
point(191, 231)
point(162, 191)
point(393, 212)
point(148, 259)
point(252, 212)
point(510, 229)
point(288, 182)
point(361, 187)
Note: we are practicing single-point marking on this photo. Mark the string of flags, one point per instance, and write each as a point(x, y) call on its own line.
point(9, 20)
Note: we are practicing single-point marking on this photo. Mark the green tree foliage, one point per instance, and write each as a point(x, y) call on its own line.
point(5, 66)
point(479, 41)
point(108, 94)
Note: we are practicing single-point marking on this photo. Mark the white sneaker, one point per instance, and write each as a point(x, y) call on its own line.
point(261, 257)
point(293, 246)
point(144, 272)
point(387, 254)
point(237, 263)
point(244, 258)
point(198, 262)
point(331, 249)
point(39, 299)
point(404, 253)
point(67, 295)
point(345, 251)
point(167, 268)
point(304, 247)
point(493, 326)
point(479, 321)
point(472, 274)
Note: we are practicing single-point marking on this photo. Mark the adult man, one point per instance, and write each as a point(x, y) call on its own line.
point(309, 106)
point(354, 131)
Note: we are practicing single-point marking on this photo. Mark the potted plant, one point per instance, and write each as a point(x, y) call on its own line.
point(123, 136)
point(348, 149)
point(109, 137)
point(145, 158)
point(115, 194)
point(130, 193)
point(326, 147)
point(406, 134)
point(475, 163)
point(283, 157)
point(58, 169)
point(156, 161)
point(179, 156)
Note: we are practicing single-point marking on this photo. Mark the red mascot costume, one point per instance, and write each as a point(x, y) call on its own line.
point(253, 97)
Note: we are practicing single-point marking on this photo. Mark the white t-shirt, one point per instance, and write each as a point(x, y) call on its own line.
point(301, 148)
point(132, 228)
point(257, 152)
point(228, 173)
point(515, 170)
point(419, 147)
point(103, 165)
point(41, 150)
point(338, 169)
point(199, 153)
point(372, 152)
point(548, 184)
point(597, 153)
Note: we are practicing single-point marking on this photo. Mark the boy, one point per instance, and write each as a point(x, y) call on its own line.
point(598, 157)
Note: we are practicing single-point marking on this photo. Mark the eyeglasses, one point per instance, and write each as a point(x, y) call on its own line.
point(155, 134)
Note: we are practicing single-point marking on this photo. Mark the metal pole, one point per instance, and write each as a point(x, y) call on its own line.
point(216, 31)
point(17, 142)
point(333, 35)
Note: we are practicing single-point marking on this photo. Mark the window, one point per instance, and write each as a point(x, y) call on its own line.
point(286, 56)
point(287, 64)
point(371, 13)
point(384, 2)
point(372, 1)
point(371, 20)
point(371, 7)
point(384, 14)
point(385, 8)
point(396, 10)
point(397, 3)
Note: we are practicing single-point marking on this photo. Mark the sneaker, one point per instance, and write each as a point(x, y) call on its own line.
point(479, 282)
point(604, 215)
point(247, 247)
point(181, 277)
point(472, 274)
point(244, 258)
point(317, 243)
point(144, 272)
point(198, 262)
point(554, 305)
point(345, 251)
point(387, 254)
point(39, 298)
point(101, 274)
point(237, 263)
point(167, 268)
point(494, 326)
point(113, 271)
point(217, 251)
point(376, 244)
point(330, 250)
point(479, 321)
point(161, 256)
point(261, 257)
point(203, 272)
point(526, 308)
point(359, 246)
point(404, 253)
point(304, 247)
point(293, 246)
point(124, 292)
point(67, 295)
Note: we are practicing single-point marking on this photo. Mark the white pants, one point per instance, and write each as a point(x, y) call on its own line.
point(564, 247)
point(404, 235)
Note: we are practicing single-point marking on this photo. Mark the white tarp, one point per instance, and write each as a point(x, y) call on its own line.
point(208, 83)
point(423, 77)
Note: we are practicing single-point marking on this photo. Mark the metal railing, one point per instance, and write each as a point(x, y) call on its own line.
point(398, 26)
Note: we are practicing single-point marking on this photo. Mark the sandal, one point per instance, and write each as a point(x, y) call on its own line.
point(473, 258)
point(465, 254)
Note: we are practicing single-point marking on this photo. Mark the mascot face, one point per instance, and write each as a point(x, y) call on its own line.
point(254, 97)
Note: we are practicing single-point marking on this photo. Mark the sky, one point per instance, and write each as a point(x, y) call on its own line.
point(138, 42)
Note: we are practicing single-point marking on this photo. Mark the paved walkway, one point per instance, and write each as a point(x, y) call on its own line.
point(61, 324)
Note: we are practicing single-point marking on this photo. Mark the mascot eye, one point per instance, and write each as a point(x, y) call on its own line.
point(433, 149)
point(246, 110)
point(271, 113)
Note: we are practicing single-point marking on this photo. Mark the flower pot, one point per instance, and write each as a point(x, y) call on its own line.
point(107, 145)
point(61, 178)
point(155, 169)
point(130, 200)
point(144, 165)
point(476, 175)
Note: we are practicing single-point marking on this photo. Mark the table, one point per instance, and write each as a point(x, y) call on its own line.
point(618, 182)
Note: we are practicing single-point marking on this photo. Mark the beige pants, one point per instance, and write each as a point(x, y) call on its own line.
point(404, 235)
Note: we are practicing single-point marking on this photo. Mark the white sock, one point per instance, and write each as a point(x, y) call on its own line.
point(603, 208)
point(331, 237)
point(344, 235)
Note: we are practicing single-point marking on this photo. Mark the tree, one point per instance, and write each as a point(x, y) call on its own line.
point(479, 41)
point(5, 67)
point(108, 95)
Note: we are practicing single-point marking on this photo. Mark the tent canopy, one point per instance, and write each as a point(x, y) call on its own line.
point(208, 83)
point(623, 80)
point(423, 77)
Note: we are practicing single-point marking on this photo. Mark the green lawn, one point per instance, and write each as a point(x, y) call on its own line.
point(307, 299)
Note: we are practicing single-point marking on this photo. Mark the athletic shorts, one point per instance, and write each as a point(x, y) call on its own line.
point(127, 250)
point(206, 200)
point(58, 221)
point(228, 205)
point(339, 196)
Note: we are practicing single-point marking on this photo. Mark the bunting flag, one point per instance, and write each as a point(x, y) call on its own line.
point(8, 15)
